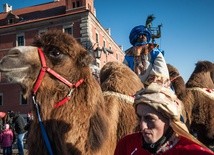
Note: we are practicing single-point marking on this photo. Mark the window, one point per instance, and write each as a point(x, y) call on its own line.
point(1, 99)
point(77, 4)
point(74, 5)
point(97, 38)
point(68, 30)
point(20, 40)
point(11, 21)
point(23, 101)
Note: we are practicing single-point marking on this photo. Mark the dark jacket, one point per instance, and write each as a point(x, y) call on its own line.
point(19, 124)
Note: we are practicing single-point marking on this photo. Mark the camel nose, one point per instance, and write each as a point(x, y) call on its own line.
point(17, 51)
point(14, 52)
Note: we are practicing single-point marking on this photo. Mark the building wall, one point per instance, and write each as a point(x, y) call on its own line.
point(12, 100)
point(85, 27)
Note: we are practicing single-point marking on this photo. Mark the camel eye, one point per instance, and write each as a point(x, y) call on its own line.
point(54, 53)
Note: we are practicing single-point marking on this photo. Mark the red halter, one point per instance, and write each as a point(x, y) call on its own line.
point(59, 77)
point(173, 79)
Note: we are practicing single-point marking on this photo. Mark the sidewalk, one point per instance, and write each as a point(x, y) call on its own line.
point(15, 150)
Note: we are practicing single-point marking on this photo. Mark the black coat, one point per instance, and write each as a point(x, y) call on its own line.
point(19, 124)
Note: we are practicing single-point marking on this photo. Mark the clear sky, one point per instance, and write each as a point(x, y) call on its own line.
point(187, 32)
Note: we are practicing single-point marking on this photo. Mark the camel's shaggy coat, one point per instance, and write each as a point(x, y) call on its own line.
point(119, 83)
point(86, 124)
point(198, 100)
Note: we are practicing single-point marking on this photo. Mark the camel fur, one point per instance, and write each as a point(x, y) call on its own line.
point(198, 100)
point(85, 125)
point(119, 83)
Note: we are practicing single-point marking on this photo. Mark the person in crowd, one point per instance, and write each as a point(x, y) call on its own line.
point(6, 140)
point(162, 132)
point(2, 120)
point(8, 119)
point(19, 125)
point(29, 122)
point(1, 125)
point(145, 58)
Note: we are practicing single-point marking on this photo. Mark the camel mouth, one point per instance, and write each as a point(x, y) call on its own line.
point(13, 71)
point(14, 74)
point(6, 70)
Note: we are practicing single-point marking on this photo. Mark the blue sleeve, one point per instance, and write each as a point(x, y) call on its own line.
point(154, 53)
point(130, 61)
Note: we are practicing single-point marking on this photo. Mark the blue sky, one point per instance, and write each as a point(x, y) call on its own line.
point(187, 32)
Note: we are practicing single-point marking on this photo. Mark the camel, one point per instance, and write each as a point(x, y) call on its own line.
point(197, 96)
point(71, 115)
point(117, 85)
point(202, 75)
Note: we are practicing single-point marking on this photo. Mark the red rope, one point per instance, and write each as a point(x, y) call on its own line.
point(45, 69)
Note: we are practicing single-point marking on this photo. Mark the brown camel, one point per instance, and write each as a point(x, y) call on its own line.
point(202, 75)
point(56, 72)
point(197, 96)
point(119, 83)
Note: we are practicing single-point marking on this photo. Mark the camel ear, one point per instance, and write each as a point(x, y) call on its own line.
point(84, 59)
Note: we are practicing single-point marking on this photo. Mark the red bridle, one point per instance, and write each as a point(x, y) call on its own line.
point(173, 79)
point(45, 69)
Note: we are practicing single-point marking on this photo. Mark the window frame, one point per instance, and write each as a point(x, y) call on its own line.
point(1, 99)
point(68, 27)
point(17, 39)
point(22, 100)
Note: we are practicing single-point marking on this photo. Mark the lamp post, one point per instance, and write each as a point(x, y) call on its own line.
point(98, 52)
point(97, 55)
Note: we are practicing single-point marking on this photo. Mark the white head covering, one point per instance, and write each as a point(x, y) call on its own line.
point(166, 102)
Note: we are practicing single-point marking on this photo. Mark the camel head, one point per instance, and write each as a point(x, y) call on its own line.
point(202, 75)
point(62, 54)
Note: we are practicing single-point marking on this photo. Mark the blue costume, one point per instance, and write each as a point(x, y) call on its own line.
point(133, 36)
point(153, 63)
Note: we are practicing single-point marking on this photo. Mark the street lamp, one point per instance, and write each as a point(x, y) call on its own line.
point(98, 52)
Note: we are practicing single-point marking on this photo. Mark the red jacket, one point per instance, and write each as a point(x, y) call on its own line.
point(132, 145)
point(6, 138)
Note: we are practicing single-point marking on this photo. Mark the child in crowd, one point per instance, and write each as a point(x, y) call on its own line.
point(6, 140)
